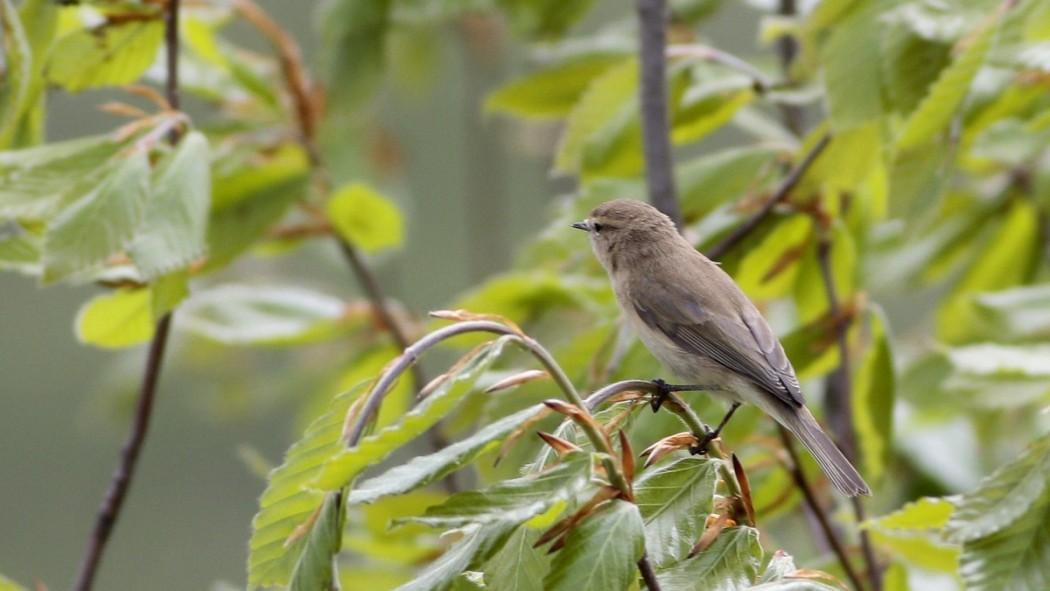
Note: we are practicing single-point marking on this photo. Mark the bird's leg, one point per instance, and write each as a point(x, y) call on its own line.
point(663, 390)
point(701, 446)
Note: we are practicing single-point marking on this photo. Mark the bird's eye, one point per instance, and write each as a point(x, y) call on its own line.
point(597, 228)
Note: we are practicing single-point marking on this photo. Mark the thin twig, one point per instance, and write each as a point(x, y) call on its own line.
point(845, 391)
point(787, 49)
point(779, 195)
point(799, 477)
point(113, 501)
point(656, 127)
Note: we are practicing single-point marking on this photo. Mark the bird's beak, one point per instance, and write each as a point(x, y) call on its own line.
point(584, 225)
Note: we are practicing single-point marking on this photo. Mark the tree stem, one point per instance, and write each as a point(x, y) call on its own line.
point(656, 128)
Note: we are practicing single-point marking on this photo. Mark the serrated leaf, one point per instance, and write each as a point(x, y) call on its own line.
point(366, 218)
point(478, 543)
point(516, 500)
point(1004, 525)
point(37, 180)
point(675, 499)
point(172, 235)
point(609, 100)
point(424, 469)
point(258, 315)
point(115, 320)
point(731, 562)
point(287, 503)
point(99, 224)
point(601, 553)
point(113, 53)
point(342, 468)
point(1004, 262)
point(946, 94)
point(519, 565)
point(548, 93)
point(873, 401)
point(927, 513)
point(315, 568)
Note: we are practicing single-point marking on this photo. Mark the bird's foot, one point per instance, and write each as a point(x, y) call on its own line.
point(664, 390)
point(700, 448)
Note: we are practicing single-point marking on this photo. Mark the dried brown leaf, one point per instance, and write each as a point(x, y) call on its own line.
point(517, 380)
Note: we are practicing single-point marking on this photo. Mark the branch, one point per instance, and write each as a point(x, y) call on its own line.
point(656, 129)
point(799, 477)
point(840, 382)
point(779, 195)
point(113, 501)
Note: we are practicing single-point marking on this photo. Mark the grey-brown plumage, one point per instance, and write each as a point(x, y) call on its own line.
point(697, 322)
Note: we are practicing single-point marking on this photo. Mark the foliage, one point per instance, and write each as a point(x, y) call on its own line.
point(910, 257)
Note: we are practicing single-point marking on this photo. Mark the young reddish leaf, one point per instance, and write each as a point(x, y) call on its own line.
point(626, 456)
point(745, 489)
point(714, 528)
point(665, 446)
point(558, 444)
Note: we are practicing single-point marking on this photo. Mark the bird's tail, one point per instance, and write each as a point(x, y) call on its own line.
point(841, 473)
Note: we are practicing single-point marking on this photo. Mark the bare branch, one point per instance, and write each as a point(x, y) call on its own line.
point(779, 195)
point(656, 128)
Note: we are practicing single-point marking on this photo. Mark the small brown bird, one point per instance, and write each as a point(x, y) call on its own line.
point(697, 323)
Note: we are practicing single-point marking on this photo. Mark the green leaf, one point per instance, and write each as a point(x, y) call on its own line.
point(173, 233)
point(1022, 312)
point(424, 469)
point(287, 503)
point(675, 499)
point(167, 292)
point(852, 74)
point(37, 180)
point(873, 401)
point(926, 550)
point(946, 94)
point(315, 569)
point(113, 53)
point(812, 349)
point(928, 513)
point(20, 250)
point(695, 120)
point(118, 319)
point(517, 500)
point(519, 565)
point(769, 269)
point(1004, 525)
point(342, 468)
point(607, 105)
point(366, 218)
point(601, 553)
point(710, 181)
point(522, 295)
point(9, 585)
point(99, 224)
point(731, 562)
point(910, 64)
point(18, 65)
point(1004, 262)
point(261, 315)
point(251, 195)
point(1000, 376)
point(478, 543)
point(549, 93)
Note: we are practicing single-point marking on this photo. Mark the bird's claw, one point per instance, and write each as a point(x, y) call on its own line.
point(704, 442)
point(663, 390)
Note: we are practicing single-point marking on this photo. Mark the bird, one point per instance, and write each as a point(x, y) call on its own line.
point(698, 323)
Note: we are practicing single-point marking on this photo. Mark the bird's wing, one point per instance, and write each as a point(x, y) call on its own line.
point(710, 330)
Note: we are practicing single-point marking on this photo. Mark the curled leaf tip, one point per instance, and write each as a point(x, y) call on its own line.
point(517, 380)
